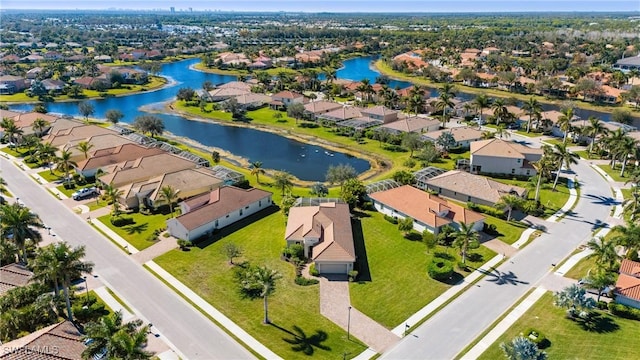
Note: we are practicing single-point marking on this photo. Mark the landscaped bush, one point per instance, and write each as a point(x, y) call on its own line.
point(410, 163)
point(303, 281)
point(87, 308)
point(313, 271)
point(120, 221)
point(602, 305)
point(184, 244)
point(294, 251)
point(440, 269)
point(537, 338)
point(391, 219)
point(353, 274)
point(394, 148)
point(486, 210)
point(490, 229)
point(624, 311)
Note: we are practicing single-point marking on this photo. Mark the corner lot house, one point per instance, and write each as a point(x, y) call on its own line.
point(463, 136)
point(463, 186)
point(58, 341)
point(496, 156)
point(217, 209)
point(628, 286)
point(326, 234)
point(429, 212)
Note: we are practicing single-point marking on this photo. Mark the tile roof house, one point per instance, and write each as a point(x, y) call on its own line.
point(496, 156)
point(10, 84)
point(189, 183)
point(252, 101)
point(62, 341)
point(315, 108)
point(144, 168)
point(224, 206)
point(464, 135)
point(380, 113)
point(13, 276)
point(429, 212)
point(287, 98)
point(463, 186)
point(325, 233)
point(627, 289)
point(79, 132)
point(415, 124)
point(103, 158)
point(341, 114)
point(226, 93)
point(99, 142)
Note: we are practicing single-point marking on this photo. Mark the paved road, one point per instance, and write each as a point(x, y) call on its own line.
point(451, 329)
point(193, 334)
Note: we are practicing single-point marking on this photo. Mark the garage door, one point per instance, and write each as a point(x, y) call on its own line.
point(333, 268)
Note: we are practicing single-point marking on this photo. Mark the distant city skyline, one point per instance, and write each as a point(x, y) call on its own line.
point(413, 6)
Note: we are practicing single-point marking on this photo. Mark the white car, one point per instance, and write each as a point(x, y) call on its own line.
point(85, 193)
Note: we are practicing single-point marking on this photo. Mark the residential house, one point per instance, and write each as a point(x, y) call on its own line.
point(381, 113)
point(627, 289)
point(251, 101)
point(224, 206)
point(10, 84)
point(144, 168)
point(189, 183)
point(496, 156)
point(55, 86)
point(25, 121)
point(342, 114)
point(98, 142)
point(61, 341)
point(13, 276)
point(465, 187)
point(79, 132)
point(464, 135)
point(104, 158)
point(286, 98)
point(417, 124)
point(90, 82)
point(628, 64)
point(34, 73)
point(429, 212)
point(227, 93)
point(315, 108)
point(325, 233)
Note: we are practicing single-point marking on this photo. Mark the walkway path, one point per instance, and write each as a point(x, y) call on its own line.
point(335, 304)
point(164, 245)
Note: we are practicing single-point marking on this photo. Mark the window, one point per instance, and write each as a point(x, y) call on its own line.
point(240, 212)
point(227, 215)
point(259, 203)
point(513, 171)
point(246, 207)
point(216, 223)
point(519, 161)
point(528, 172)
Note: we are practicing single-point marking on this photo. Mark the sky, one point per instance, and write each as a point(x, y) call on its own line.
point(412, 6)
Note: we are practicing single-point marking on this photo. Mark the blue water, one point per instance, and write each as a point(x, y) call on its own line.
point(306, 162)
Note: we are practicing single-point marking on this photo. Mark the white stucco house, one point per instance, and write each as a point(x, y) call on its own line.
point(217, 209)
point(326, 235)
point(429, 212)
point(627, 289)
point(497, 156)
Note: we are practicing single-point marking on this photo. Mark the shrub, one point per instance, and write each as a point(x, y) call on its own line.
point(440, 269)
point(294, 251)
point(536, 337)
point(120, 221)
point(602, 305)
point(152, 237)
point(313, 271)
point(184, 244)
point(624, 311)
point(410, 163)
point(353, 274)
point(303, 281)
point(490, 229)
point(391, 219)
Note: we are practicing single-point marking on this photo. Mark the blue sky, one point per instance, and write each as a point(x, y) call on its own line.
point(338, 6)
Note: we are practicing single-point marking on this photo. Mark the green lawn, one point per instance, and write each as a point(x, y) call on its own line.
point(51, 177)
point(528, 134)
point(137, 233)
point(555, 141)
point(585, 155)
point(261, 236)
point(613, 338)
point(615, 173)
point(627, 193)
point(14, 152)
point(509, 231)
point(579, 270)
point(551, 200)
point(395, 284)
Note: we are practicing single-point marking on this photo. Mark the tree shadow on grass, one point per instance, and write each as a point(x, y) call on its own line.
point(598, 323)
point(136, 229)
point(228, 230)
point(362, 262)
point(300, 342)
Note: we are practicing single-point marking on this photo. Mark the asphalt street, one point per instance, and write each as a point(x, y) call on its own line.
point(195, 336)
point(459, 323)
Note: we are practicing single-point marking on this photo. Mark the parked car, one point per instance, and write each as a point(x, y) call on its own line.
point(513, 126)
point(85, 193)
point(606, 292)
point(479, 121)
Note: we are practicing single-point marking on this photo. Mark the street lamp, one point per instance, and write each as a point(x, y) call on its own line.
point(349, 324)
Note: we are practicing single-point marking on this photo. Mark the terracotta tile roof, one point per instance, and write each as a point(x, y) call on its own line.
point(228, 92)
point(410, 124)
point(26, 119)
point(186, 181)
point(331, 223)
point(222, 201)
point(251, 98)
point(13, 276)
point(286, 95)
point(318, 107)
point(377, 110)
point(500, 148)
point(628, 286)
point(117, 154)
point(424, 207)
point(145, 168)
point(99, 142)
point(345, 113)
point(56, 342)
point(474, 185)
point(630, 267)
point(236, 85)
point(79, 133)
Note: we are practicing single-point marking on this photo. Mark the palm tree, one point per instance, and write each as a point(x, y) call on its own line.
point(466, 238)
point(65, 164)
point(366, 89)
point(564, 122)
point(628, 237)
point(444, 102)
point(521, 348)
point(604, 252)
point(11, 131)
point(260, 282)
point(169, 195)
point(563, 157)
point(112, 195)
point(612, 143)
point(542, 166)
point(416, 103)
point(283, 180)
point(596, 127)
point(574, 300)
point(628, 146)
point(45, 153)
point(18, 220)
point(600, 280)
point(46, 267)
point(500, 110)
point(70, 266)
point(481, 102)
point(118, 340)
point(502, 131)
point(39, 125)
point(256, 169)
point(509, 203)
point(84, 147)
point(531, 107)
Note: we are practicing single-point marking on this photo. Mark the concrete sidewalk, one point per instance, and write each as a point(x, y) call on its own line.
point(505, 324)
point(446, 296)
point(222, 320)
point(617, 212)
point(114, 304)
point(524, 238)
point(573, 197)
point(115, 237)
